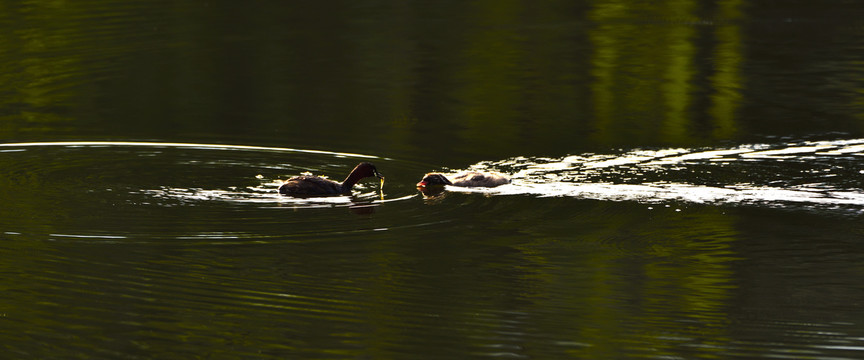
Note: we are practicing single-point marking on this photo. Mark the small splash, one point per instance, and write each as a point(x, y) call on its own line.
point(264, 195)
point(267, 195)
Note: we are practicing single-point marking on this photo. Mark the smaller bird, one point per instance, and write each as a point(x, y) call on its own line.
point(309, 185)
point(464, 179)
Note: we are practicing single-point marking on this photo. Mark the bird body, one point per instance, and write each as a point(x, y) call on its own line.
point(309, 185)
point(464, 179)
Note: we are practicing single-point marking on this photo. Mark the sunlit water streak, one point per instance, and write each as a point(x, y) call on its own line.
point(181, 145)
point(216, 186)
point(266, 195)
point(808, 173)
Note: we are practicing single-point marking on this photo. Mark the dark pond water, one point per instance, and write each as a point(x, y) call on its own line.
point(687, 179)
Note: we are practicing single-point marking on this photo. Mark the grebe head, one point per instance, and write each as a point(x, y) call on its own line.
point(433, 179)
point(366, 169)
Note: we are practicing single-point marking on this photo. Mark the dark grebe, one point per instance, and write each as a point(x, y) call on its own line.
point(308, 185)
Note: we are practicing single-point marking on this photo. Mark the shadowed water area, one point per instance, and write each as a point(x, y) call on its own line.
point(686, 180)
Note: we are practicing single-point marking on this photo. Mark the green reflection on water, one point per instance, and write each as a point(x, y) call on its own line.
point(679, 72)
point(604, 63)
point(685, 274)
point(493, 83)
point(501, 79)
point(644, 75)
point(727, 78)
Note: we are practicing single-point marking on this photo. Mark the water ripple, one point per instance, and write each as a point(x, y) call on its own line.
point(184, 193)
point(818, 174)
point(193, 194)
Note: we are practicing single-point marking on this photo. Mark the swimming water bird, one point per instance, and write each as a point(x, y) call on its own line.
point(309, 185)
point(463, 179)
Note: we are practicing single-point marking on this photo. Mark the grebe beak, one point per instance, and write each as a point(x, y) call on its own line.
point(421, 184)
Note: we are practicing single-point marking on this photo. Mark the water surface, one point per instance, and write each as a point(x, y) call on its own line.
point(153, 255)
point(686, 179)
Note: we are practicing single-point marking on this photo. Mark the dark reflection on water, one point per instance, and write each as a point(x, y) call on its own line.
point(686, 179)
point(414, 78)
